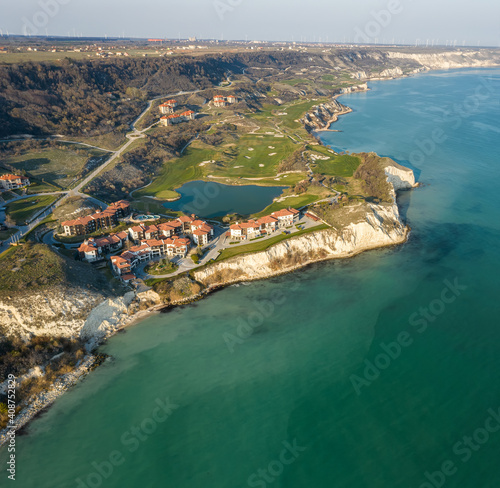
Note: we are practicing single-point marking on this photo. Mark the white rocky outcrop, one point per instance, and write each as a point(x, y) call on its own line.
point(449, 59)
point(58, 312)
point(380, 226)
point(391, 72)
point(49, 396)
point(399, 177)
point(107, 317)
point(70, 312)
point(322, 115)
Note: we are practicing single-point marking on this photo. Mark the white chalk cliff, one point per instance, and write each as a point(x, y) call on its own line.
point(69, 312)
point(450, 59)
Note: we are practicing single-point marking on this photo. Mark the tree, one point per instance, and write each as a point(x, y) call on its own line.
point(9, 221)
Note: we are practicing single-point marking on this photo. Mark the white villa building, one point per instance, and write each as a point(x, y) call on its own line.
point(265, 225)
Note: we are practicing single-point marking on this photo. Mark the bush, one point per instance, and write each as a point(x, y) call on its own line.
point(373, 177)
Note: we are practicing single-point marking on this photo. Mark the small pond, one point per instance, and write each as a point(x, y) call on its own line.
point(210, 199)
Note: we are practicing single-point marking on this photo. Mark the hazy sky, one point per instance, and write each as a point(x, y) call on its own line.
point(333, 20)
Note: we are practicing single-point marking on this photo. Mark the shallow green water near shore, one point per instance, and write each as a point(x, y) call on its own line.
point(289, 404)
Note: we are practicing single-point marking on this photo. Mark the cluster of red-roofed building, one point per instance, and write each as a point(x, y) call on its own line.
point(199, 230)
point(124, 264)
point(171, 118)
point(168, 107)
point(264, 225)
point(13, 182)
point(178, 118)
point(222, 101)
point(99, 220)
point(168, 239)
point(94, 249)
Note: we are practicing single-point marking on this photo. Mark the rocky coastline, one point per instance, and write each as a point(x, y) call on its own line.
point(321, 117)
point(371, 226)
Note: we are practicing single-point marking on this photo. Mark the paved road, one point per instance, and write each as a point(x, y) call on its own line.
point(24, 229)
point(76, 191)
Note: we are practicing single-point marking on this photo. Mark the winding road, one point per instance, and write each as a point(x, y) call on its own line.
point(132, 136)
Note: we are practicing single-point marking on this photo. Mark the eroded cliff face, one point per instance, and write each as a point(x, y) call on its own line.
point(366, 226)
point(57, 312)
point(69, 312)
point(450, 59)
point(321, 116)
point(372, 226)
point(392, 73)
point(400, 177)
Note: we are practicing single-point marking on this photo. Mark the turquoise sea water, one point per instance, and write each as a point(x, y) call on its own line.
point(288, 403)
point(210, 199)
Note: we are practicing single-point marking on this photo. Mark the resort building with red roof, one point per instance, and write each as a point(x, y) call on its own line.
point(186, 225)
point(99, 220)
point(13, 182)
point(94, 249)
point(147, 250)
point(173, 119)
point(222, 101)
point(264, 225)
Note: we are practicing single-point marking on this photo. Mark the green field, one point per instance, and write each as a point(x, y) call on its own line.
point(111, 141)
point(296, 81)
point(177, 172)
point(150, 206)
point(22, 210)
point(54, 168)
point(39, 56)
point(29, 266)
point(249, 158)
point(294, 202)
point(297, 111)
point(265, 244)
point(339, 165)
point(294, 111)
point(5, 234)
point(289, 179)
point(256, 156)
point(252, 155)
